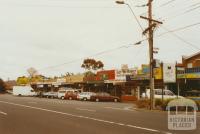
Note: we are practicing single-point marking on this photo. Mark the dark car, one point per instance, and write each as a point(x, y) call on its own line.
point(71, 95)
point(104, 97)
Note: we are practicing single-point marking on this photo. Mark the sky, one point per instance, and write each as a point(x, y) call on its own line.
point(54, 36)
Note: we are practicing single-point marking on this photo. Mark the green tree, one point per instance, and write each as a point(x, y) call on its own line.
point(92, 64)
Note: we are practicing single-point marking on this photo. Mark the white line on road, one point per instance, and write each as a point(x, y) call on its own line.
point(85, 117)
point(32, 102)
point(148, 129)
point(124, 109)
point(3, 113)
point(82, 109)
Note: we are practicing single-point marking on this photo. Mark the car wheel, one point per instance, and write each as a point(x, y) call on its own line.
point(115, 100)
point(84, 99)
point(97, 100)
point(62, 97)
point(70, 98)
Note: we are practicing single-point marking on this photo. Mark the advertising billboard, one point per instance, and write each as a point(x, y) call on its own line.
point(121, 74)
point(169, 72)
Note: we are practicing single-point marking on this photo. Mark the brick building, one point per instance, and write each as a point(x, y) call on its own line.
point(191, 61)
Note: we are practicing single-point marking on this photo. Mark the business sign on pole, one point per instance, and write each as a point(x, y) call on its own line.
point(169, 72)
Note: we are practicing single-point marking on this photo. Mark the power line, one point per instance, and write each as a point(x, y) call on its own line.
point(162, 5)
point(180, 38)
point(185, 12)
point(181, 28)
point(198, 3)
point(78, 59)
point(127, 46)
point(166, 3)
point(190, 10)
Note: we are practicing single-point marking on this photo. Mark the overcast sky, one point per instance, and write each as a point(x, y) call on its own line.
point(46, 33)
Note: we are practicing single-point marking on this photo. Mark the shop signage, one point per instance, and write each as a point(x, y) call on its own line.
point(121, 74)
point(169, 72)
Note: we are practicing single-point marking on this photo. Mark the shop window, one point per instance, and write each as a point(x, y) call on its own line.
point(189, 65)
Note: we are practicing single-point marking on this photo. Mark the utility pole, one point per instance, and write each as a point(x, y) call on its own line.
point(151, 25)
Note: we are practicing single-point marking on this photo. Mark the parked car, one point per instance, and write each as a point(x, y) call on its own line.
point(71, 95)
point(62, 92)
point(85, 95)
point(104, 97)
point(167, 94)
point(50, 94)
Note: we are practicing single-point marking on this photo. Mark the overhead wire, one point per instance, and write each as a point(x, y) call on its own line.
point(94, 55)
point(162, 5)
point(181, 28)
point(167, 3)
point(180, 38)
point(125, 46)
point(183, 11)
point(139, 42)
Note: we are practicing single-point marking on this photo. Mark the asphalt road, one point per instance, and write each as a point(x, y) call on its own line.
point(30, 115)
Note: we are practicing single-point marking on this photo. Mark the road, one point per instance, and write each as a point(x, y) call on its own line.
point(31, 115)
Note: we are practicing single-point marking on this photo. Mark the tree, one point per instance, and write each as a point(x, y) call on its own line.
point(32, 72)
point(22, 80)
point(2, 85)
point(92, 64)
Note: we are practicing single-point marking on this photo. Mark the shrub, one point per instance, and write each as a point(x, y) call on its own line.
point(144, 103)
point(165, 103)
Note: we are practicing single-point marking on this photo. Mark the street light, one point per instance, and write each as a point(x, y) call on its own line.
point(121, 2)
point(150, 38)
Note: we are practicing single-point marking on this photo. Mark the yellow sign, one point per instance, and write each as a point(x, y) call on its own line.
point(158, 73)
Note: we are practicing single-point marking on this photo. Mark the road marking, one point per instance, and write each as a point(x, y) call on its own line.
point(82, 109)
point(32, 102)
point(85, 117)
point(130, 108)
point(3, 113)
point(148, 129)
point(124, 109)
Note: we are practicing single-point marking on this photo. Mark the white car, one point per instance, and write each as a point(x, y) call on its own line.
point(85, 95)
point(167, 94)
point(50, 94)
point(61, 94)
point(63, 91)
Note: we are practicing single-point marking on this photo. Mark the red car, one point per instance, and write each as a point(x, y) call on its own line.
point(104, 97)
point(70, 95)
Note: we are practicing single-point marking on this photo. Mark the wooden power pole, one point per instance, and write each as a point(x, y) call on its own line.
point(151, 25)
